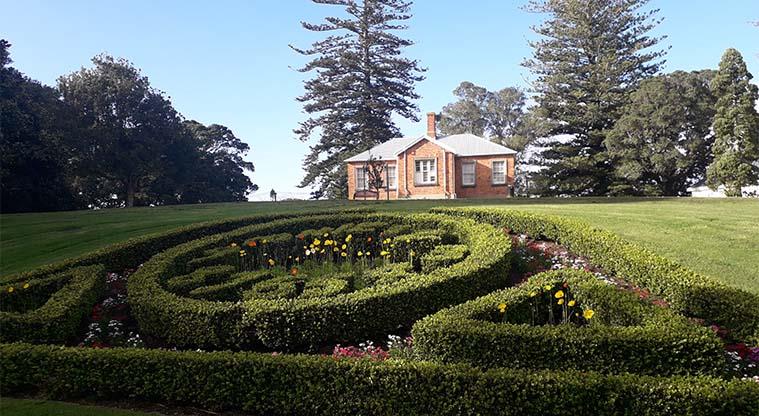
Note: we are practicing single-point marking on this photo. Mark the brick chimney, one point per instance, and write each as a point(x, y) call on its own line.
point(431, 130)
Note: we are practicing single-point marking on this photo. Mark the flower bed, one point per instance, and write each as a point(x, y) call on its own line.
point(687, 292)
point(285, 322)
point(568, 319)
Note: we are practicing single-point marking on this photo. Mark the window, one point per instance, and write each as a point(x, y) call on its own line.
point(467, 174)
point(425, 172)
point(499, 172)
point(362, 179)
point(392, 177)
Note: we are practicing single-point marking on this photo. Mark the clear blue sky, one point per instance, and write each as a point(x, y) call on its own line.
point(228, 62)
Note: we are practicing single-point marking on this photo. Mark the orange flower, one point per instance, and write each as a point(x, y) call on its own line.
point(369, 239)
point(294, 271)
point(301, 236)
point(252, 244)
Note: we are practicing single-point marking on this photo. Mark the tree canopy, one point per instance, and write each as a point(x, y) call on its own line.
point(360, 81)
point(662, 142)
point(106, 138)
point(736, 126)
point(590, 56)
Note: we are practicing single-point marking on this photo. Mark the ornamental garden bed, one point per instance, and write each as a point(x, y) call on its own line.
point(313, 314)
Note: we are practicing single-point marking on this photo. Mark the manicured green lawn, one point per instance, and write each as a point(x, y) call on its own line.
point(24, 407)
point(717, 237)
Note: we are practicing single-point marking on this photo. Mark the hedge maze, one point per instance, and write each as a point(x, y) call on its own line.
point(239, 314)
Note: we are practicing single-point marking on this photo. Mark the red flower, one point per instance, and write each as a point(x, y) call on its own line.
point(741, 348)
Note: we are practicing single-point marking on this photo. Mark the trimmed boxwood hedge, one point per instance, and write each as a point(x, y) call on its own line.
point(58, 319)
point(688, 292)
point(297, 384)
point(626, 334)
point(302, 323)
point(132, 252)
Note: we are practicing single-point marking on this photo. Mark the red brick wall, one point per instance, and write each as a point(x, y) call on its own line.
point(446, 184)
point(393, 194)
point(422, 150)
point(483, 183)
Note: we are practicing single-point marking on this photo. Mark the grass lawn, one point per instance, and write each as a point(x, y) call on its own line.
point(717, 237)
point(25, 407)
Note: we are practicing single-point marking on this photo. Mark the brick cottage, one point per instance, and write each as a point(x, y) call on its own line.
point(456, 166)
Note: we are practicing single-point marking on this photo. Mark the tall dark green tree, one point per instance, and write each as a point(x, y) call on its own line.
point(736, 126)
point(361, 80)
point(34, 144)
point(126, 128)
point(662, 142)
point(590, 55)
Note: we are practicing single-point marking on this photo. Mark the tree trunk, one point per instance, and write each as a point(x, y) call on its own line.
point(130, 185)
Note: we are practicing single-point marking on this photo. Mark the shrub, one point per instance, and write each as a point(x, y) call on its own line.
point(301, 323)
point(687, 292)
point(231, 289)
point(624, 335)
point(59, 318)
point(296, 384)
point(443, 256)
point(201, 277)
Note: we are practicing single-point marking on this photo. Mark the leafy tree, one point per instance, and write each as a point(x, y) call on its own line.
point(361, 80)
point(497, 115)
point(591, 55)
point(126, 127)
point(34, 152)
point(662, 142)
point(736, 126)
point(219, 168)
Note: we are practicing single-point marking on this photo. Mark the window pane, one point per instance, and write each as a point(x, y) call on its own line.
point(467, 173)
point(499, 172)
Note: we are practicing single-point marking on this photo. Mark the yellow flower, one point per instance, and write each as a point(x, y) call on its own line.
point(349, 238)
point(412, 254)
point(547, 287)
point(335, 249)
point(383, 253)
point(326, 234)
point(344, 254)
point(10, 289)
point(359, 254)
point(368, 253)
point(297, 259)
point(571, 303)
point(322, 252)
point(559, 294)
point(264, 242)
point(233, 245)
point(271, 262)
point(588, 313)
point(560, 302)
point(408, 240)
point(344, 246)
point(533, 293)
point(392, 245)
point(317, 242)
point(387, 241)
point(502, 307)
point(242, 251)
point(26, 285)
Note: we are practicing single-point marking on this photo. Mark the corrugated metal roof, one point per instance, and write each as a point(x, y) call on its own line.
point(460, 144)
point(384, 151)
point(471, 145)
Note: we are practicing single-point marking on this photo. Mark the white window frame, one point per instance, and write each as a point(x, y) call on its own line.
point(499, 181)
point(431, 170)
point(392, 181)
point(464, 174)
point(362, 185)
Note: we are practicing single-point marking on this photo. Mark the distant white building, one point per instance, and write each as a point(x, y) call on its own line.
point(700, 190)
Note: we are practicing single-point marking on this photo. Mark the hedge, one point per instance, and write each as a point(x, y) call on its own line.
point(304, 323)
point(298, 384)
point(132, 252)
point(687, 292)
point(60, 317)
point(626, 334)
